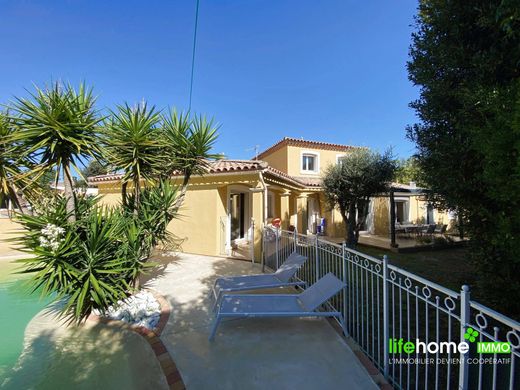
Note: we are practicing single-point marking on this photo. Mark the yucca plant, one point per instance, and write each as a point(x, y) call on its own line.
point(158, 207)
point(86, 265)
point(90, 257)
point(188, 143)
point(57, 127)
point(133, 144)
point(135, 249)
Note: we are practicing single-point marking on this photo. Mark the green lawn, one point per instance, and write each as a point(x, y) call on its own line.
point(448, 267)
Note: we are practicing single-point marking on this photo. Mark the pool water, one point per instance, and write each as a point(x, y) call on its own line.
point(39, 352)
point(17, 307)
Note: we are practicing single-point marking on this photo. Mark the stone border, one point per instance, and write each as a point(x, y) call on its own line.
point(169, 369)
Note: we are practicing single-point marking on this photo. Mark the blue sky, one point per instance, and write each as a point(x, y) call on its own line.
point(331, 70)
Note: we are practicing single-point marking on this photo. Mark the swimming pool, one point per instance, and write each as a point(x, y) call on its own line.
point(17, 307)
point(39, 352)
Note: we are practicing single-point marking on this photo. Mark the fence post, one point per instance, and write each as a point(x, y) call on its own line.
point(295, 240)
point(317, 256)
point(345, 289)
point(276, 245)
point(264, 249)
point(252, 245)
point(464, 320)
point(385, 317)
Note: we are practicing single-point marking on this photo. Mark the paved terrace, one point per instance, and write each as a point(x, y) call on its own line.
point(262, 353)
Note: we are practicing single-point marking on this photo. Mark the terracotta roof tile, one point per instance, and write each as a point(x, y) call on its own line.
point(231, 166)
point(218, 166)
point(283, 175)
point(289, 141)
point(309, 181)
point(236, 165)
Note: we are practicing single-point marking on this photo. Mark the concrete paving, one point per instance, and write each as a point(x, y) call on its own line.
point(251, 353)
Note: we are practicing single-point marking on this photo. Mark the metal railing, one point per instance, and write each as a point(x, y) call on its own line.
point(383, 304)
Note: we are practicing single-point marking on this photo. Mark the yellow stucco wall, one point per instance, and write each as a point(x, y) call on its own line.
point(417, 213)
point(381, 212)
point(277, 159)
point(257, 214)
point(199, 225)
point(294, 160)
point(418, 207)
point(202, 224)
point(289, 160)
point(334, 223)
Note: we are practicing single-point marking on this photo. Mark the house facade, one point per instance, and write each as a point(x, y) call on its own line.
point(225, 209)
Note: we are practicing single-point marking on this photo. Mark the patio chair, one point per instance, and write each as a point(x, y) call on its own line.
point(399, 229)
point(441, 229)
point(281, 278)
point(430, 230)
point(281, 305)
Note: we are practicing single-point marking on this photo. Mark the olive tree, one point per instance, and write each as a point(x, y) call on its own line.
point(349, 185)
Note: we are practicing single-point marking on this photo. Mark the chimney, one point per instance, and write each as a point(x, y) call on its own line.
point(413, 185)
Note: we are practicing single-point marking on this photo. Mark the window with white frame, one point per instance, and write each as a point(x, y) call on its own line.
point(310, 162)
point(340, 158)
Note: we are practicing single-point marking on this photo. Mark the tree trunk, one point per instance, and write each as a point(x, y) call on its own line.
point(124, 186)
point(362, 212)
point(460, 225)
point(69, 192)
point(184, 188)
point(137, 193)
point(351, 225)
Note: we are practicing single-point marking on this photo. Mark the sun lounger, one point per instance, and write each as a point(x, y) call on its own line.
point(305, 304)
point(281, 278)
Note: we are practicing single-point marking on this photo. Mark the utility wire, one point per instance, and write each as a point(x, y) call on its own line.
point(193, 54)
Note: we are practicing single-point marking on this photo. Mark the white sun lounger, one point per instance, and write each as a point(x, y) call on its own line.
point(281, 278)
point(281, 305)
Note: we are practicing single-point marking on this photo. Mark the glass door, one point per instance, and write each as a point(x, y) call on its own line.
point(237, 216)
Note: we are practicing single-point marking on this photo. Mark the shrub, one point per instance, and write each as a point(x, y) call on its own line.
point(88, 264)
point(424, 240)
point(158, 207)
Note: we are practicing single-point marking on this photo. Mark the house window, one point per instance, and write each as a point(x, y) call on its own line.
point(340, 158)
point(309, 162)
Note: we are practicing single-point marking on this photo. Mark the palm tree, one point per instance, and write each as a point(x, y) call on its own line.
point(188, 143)
point(133, 144)
point(58, 127)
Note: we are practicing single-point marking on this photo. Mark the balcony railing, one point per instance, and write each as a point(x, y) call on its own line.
point(383, 304)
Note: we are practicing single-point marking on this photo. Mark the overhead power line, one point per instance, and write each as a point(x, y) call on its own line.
point(193, 53)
